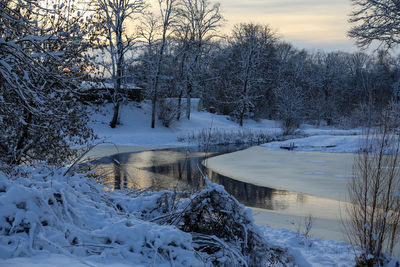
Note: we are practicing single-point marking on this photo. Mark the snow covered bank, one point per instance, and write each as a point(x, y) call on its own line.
point(53, 219)
point(135, 127)
point(321, 143)
point(43, 212)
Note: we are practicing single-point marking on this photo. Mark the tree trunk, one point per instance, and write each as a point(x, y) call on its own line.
point(153, 111)
point(178, 116)
point(114, 120)
point(241, 118)
point(188, 100)
point(120, 72)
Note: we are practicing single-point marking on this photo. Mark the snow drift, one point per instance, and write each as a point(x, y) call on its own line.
point(45, 213)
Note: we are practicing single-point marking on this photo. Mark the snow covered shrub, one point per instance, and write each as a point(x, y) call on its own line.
point(363, 115)
point(167, 111)
point(41, 55)
point(373, 194)
point(43, 211)
point(216, 136)
point(224, 232)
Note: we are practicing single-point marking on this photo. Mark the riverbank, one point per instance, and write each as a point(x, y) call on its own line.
point(134, 128)
point(48, 249)
point(138, 132)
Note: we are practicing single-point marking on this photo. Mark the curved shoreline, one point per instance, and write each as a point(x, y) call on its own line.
point(317, 174)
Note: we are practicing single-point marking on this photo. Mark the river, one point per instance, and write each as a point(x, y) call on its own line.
point(170, 168)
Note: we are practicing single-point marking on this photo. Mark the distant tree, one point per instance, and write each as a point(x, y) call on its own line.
point(42, 55)
point(375, 21)
point(252, 48)
point(360, 78)
point(116, 14)
point(289, 101)
point(383, 78)
point(156, 36)
point(334, 84)
point(289, 94)
point(149, 34)
point(220, 96)
point(197, 27)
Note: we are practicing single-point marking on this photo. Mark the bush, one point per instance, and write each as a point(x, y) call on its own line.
point(374, 199)
point(290, 125)
point(167, 111)
point(224, 232)
point(216, 136)
point(40, 117)
point(44, 211)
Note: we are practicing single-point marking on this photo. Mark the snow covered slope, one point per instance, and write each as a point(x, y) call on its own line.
point(135, 127)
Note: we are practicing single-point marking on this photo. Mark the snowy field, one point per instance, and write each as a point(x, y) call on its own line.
point(337, 142)
point(81, 212)
point(135, 127)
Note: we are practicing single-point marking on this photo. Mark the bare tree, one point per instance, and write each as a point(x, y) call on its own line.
point(289, 101)
point(168, 15)
point(199, 22)
point(252, 45)
point(116, 14)
point(375, 21)
point(374, 195)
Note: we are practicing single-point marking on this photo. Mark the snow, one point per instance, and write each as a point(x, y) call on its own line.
point(321, 143)
point(44, 212)
point(54, 260)
point(99, 85)
point(61, 220)
point(328, 130)
point(312, 251)
point(135, 127)
point(81, 207)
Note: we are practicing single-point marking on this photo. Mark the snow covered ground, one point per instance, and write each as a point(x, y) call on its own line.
point(322, 142)
point(49, 219)
point(92, 217)
point(135, 127)
point(58, 220)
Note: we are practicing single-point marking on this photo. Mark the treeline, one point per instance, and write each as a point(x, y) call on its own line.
point(253, 74)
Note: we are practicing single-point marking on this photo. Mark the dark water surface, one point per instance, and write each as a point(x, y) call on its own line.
point(182, 168)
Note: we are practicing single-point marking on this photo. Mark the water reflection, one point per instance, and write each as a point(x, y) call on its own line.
point(157, 169)
point(182, 169)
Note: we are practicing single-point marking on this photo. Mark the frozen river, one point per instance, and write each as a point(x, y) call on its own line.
point(313, 173)
point(315, 184)
point(281, 187)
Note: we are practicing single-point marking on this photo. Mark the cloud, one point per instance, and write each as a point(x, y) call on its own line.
point(306, 21)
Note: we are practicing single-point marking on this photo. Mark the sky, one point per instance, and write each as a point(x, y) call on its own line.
point(312, 24)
